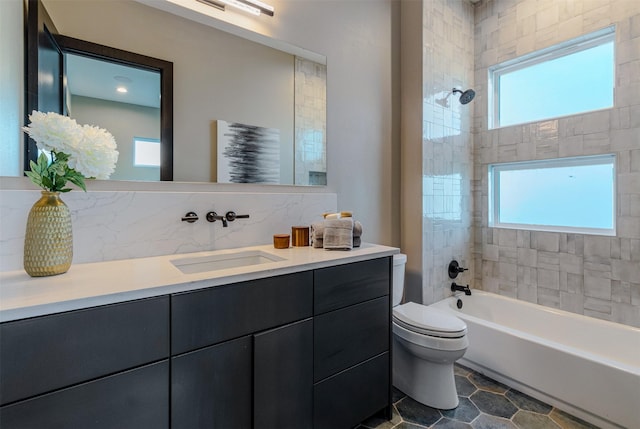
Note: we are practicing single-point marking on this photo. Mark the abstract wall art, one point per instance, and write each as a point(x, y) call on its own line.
point(247, 153)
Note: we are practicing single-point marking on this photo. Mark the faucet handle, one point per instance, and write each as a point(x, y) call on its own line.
point(231, 216)
point(455, 269)
point(190, 217)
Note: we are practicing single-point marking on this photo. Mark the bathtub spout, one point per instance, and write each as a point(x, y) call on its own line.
point(465, 289)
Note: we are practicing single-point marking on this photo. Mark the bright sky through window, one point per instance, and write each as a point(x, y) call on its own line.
point(573, 77)
point(571, 194)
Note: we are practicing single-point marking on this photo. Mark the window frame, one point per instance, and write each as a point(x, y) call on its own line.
point(572, 46)
point(494, 194)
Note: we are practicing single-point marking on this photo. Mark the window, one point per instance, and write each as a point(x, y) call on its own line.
point(573, 77)
point(146, 152)
point(567, 195)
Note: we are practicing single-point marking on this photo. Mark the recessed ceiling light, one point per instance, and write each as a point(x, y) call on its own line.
point(122, 89)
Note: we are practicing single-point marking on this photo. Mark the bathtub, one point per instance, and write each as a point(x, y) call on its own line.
point(585, 366)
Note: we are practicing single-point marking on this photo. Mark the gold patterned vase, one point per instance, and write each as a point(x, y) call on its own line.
point(48, 243)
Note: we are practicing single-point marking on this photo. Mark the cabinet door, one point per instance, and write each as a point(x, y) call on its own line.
point(220, 313)
point(348, 398)
point(283, 377)
point(46, 353)
point(211, 387)
point(134, 399)
point(343, 285)
point(345, 337)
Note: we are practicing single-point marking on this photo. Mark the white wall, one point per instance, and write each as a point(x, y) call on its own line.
point(356, 37)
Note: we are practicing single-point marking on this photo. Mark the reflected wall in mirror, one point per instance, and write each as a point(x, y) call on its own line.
point(101, 93)
point(217, 76)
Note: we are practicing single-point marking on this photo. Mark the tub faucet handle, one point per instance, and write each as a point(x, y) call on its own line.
point(455, 269)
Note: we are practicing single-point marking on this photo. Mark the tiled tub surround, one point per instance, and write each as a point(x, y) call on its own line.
point(596, 276)
point(112, 225)
point(570, 366)
point(484, 404)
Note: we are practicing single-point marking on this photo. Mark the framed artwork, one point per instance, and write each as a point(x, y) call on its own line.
point(247, 153)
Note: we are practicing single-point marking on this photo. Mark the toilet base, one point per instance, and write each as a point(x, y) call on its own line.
point(430, 383)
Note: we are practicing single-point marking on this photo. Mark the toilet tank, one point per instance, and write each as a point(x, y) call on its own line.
point(399, 261)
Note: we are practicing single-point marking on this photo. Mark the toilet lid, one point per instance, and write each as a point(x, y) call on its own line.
point(428, 320)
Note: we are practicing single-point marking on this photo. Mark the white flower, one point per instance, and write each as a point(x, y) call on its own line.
point(53, 132)
point(91, 150)
point(95, 154)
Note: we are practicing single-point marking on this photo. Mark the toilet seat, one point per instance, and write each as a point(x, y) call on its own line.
point(429, 321)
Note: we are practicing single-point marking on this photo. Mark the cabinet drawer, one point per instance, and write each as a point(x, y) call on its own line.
point(343, 285)
point(348, 398)
point(134, 399)
point(46, 353)
point(345, 337)
point(221, 313)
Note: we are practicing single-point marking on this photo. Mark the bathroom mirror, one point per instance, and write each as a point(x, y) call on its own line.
point(217, 77)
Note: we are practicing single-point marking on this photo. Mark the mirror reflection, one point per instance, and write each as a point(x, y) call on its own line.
point(217, 77)
point(102, 93)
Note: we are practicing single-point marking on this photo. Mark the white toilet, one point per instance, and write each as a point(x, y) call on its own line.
point(426, 343)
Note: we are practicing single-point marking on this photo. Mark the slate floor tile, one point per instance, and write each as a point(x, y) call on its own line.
point(567, 421)
point(464, 387)
point(446, 423)
point(527, 403)
point(465, 412)
point(493, 404)
point(485, 383)
point(528, 420)
point(415, 412)
point(486, 421)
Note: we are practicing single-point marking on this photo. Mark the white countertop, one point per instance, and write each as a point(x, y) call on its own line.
point(99, 283)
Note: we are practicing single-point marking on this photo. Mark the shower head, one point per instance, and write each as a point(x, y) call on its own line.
point(466, 96)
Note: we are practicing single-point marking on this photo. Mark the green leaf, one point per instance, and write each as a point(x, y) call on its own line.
point(77, 179)
point(46, 181)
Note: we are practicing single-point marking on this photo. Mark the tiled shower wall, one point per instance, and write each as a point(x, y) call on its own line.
point(447, 166)
point(310, 122)
point(597, 276)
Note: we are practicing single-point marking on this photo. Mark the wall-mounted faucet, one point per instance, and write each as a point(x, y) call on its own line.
point(465, 289)
point(213, 216)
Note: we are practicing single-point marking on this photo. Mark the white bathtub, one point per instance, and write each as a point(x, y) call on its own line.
point(585, 366)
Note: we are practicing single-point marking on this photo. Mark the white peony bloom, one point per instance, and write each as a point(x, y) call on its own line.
point(92, 150)
point(95, 154)
point(53, 132)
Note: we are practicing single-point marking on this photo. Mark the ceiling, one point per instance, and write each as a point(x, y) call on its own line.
point(89, 77)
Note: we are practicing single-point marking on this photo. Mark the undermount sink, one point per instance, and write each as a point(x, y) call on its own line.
point(224, 261)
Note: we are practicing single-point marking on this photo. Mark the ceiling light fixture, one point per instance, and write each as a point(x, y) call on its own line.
point(254, 7)
point(122, 89)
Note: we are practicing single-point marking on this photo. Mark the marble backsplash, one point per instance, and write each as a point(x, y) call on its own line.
point(110, 225)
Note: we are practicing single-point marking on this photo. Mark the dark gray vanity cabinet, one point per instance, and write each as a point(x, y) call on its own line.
point(352, 343)
point(302, 350)
point(98, 357)
point(243, 355)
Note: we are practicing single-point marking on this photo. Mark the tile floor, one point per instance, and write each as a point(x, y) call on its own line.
point(484, 404)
